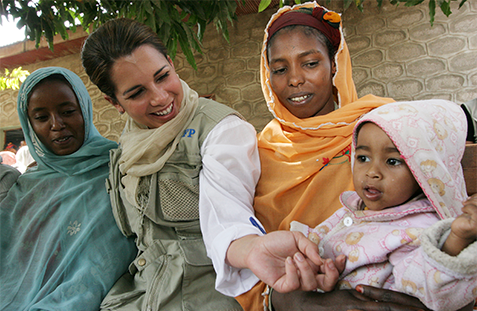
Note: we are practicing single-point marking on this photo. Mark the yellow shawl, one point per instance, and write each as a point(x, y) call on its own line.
point(305, 162)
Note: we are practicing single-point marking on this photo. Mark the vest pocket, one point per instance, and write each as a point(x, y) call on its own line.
point(179, 200)
point(195, 253)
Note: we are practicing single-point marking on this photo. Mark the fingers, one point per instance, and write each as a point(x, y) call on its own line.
point(307, 275)
point(292, 281)
point(340, 263)
point(469, 208)
point(392, 297)
point(472, 201)
point(311, 280)
point(308, 248)
point(328, 280)
point(464, 226)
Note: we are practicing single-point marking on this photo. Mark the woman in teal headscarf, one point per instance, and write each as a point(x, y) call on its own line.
point(60, 248)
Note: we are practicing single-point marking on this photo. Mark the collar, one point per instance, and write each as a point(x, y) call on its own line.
point(353, 202)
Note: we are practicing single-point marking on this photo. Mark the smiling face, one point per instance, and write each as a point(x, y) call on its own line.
point(381, 177)
point(301, 73)
point(147, 87)
point(56, 117)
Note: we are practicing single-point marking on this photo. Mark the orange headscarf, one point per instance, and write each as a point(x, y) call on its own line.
point(305, 162)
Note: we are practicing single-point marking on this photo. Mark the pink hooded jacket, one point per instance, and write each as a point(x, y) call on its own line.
point(399, 248)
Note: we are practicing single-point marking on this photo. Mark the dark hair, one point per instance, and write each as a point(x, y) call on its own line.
point(309, 32)
point(112, 40)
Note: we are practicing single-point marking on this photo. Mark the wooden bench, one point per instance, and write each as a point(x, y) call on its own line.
point(469, 165)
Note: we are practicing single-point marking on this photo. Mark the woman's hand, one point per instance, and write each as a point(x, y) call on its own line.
point(368, 298)
point(384, 297)
point(371, 299)
point(285, 260)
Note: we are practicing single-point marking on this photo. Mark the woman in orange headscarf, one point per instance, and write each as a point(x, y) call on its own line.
point(305, 150)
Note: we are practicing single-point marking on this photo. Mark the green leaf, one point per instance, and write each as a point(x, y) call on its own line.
point(432, 10)
point(172, 47)
point(46, 18)
point(347, 3)
point(410, 3)
point(164, 33)
point(61, 28)
point(445, 7)
point(11, 80)
point(146, 4)
point(37, 37)
point(162, 15)
point(263, 5)
point(462, 3)
point(156, 4)
point(201, 30)
point(188, 53)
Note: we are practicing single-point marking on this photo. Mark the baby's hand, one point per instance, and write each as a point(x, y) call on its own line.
point(326, 274)
point(465, 226)
point(323, 277)
point(330, 272)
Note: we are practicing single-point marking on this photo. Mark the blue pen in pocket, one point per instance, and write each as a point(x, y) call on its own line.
point(256, 224)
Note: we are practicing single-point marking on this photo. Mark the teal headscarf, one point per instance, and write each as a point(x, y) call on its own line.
point(60, 248)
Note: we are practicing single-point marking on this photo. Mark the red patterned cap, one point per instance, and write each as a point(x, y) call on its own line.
point(327, 22)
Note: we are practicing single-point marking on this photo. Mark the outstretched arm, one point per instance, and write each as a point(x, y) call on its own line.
point(284, 260)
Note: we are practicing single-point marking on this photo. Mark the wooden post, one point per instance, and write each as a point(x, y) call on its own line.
point(469, 165)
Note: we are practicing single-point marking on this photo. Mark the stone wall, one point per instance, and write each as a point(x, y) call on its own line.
point(395, 53)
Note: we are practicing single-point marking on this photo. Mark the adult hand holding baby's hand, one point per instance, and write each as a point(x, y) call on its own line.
point(271, 261)
point(299, 276)
point(286, 261)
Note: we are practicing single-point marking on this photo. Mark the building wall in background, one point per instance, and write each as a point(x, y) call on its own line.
point(395, 53)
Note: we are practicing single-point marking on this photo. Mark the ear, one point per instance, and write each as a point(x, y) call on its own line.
point(116, 105)
point(170, 61)
point(333, 68)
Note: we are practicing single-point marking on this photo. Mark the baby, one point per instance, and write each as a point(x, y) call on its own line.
point(404, 228)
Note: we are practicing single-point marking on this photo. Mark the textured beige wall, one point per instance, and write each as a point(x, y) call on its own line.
point(395, 52)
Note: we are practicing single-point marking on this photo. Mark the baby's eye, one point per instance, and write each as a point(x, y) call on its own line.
point(362, 158)
point(394, 162)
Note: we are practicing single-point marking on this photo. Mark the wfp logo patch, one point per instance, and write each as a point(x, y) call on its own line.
point(188, 133)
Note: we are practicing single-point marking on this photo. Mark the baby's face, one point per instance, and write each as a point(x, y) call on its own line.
point(381, 177)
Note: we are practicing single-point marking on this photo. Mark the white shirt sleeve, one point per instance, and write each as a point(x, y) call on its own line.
point(230, 172)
